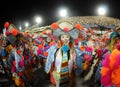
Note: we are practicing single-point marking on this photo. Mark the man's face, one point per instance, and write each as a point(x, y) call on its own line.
point(65, 38)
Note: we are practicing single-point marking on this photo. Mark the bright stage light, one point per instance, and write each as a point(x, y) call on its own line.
point(26, 24)
point(63, 12)
point(102, 10)
point(20, 28)
point(38, 20)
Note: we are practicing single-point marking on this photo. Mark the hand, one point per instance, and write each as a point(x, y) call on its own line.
point(74, 66)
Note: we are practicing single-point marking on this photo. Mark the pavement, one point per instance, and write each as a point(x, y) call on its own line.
point(41, 79)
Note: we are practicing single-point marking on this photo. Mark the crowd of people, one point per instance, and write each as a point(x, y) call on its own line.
point(93, 20)
point(64, 54)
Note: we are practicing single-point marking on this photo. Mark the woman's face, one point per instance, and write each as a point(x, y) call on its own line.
point(48, 39)
point(30, 40)
point(65, 38)
point(4, 42)
point(118, 42)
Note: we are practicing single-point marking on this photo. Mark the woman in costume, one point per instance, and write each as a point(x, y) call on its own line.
point(65, 56)
point(83, 54)
point(14, 49)
point(111, 64)
point(61, 71)
point(9, 52)
point(2, 64)
point(28, 59)
point(46, 40)
point(61, 59)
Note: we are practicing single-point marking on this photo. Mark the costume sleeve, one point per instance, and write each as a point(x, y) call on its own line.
point(50, 58)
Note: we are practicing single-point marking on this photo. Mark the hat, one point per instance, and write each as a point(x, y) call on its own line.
point(10, 32)
point(67, 28)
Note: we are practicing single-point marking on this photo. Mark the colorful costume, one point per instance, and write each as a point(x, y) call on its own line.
point(111, 65)
point(61, 58)
point(13, 52)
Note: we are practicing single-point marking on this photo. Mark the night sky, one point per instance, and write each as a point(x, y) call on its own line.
point(20, 11)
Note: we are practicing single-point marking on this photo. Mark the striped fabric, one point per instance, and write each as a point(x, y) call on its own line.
point(64, 71)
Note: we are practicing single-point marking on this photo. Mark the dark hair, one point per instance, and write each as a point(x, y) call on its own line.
point(71, 39)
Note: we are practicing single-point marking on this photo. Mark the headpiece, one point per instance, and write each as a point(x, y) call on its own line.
point(66, 28)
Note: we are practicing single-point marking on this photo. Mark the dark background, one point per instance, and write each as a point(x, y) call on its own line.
point(19, 11)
